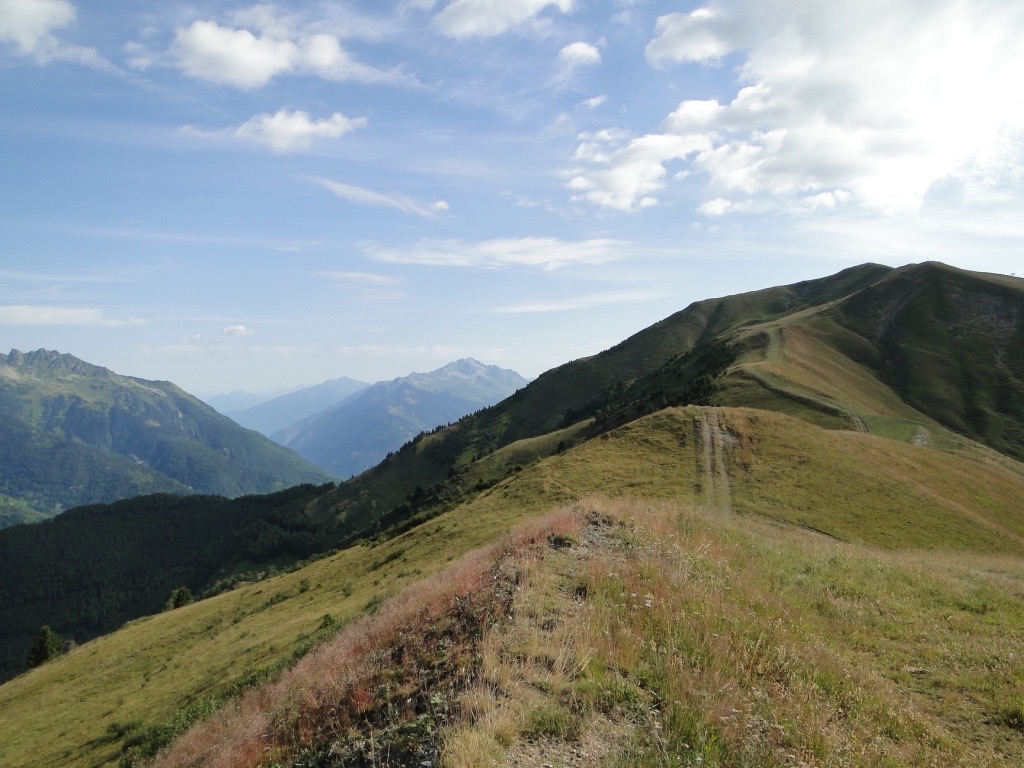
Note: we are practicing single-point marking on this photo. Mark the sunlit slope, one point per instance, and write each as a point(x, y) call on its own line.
point(730, 462)
point(852, 486)
point(925, 353)
point(925, 346)
point(547, 403)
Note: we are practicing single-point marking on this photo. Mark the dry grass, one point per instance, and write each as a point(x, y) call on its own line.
point(945, 640)
point(750, 646)
point(389, 672)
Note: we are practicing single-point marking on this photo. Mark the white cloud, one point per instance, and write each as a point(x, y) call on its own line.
point(579, 54)
point(237, 332)
point(485, 18)
point(29, 25)
point(237, 56)
point(705, 35)
point(290, 131)
point(634, 172)
point(576, 302)
point(547, 253)
point(364, 196)
point(870, 104)
point(594, 102)
point(208, 51)
point(20, 314)
point(717, 207)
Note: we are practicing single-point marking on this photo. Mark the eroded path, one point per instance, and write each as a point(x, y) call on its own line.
point(713, 441)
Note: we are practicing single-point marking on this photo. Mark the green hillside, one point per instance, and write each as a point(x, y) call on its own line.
point(74, 433)
point(790, 532)
point(784, 349)
point(926, 351)
point(732, 464)
point(86, 572)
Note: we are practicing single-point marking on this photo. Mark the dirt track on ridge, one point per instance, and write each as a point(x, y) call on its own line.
point(713, 439)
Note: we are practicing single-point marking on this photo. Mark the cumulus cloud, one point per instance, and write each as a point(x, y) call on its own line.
point(486, 18)
point(704, 35)
point(546, 253)
point(243, 58)
point(577, 54)
point(363, 196)
point(20, 314)
point(869, 104)
point(237, 332)
point(286, 131)
point(30, 25)
point(634, 172)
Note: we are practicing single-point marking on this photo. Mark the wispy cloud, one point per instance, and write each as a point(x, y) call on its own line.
point(577, 302)
point(127, 233)
point(594, 102)
point(363, 196)
point(486, 18)
point(230, 335)
point(364, 278)
point(44, 277)
point(366, 285)
point(21, 314)
point(546, 253)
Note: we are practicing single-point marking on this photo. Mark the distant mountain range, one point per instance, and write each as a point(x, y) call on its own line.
point(283, 411)
point(360, 429)
point(72, 433)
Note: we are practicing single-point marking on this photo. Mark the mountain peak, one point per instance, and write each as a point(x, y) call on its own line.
point(49, 362)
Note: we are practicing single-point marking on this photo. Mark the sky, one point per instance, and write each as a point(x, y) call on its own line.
point(236, 196)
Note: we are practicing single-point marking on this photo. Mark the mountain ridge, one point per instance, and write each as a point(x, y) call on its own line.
point(354, 434)
point(281, 412)
point(128, 435)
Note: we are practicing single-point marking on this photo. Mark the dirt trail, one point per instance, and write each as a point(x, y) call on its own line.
point(713, 438)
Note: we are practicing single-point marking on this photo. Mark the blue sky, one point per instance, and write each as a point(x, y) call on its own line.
point(239, 196)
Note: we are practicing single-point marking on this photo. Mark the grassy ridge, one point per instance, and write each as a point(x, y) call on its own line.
point(682, 641)
point(635, 634)
point(143, 673)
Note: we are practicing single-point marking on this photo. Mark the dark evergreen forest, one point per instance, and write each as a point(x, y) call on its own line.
point(91, 569)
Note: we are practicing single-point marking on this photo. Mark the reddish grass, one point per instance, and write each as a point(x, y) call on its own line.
point(374, 666)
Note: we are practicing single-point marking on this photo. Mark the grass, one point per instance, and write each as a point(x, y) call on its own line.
point(857, 488)
point(748, 645)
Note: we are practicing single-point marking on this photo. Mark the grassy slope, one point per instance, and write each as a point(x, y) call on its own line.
point(928, 353)
point(676, 640)
point(541, 407)
point(76, 433)
point(147, 670)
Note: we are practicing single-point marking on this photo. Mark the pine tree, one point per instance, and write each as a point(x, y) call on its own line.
point(179, 597)
point(47, 645)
